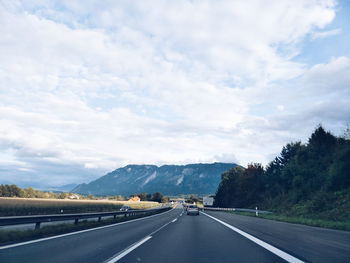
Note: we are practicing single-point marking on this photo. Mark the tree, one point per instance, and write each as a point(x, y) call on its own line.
point(10, 191)
point(346, 134)
point(29, 192)
point(63, 195)
point(227, 193)
point(157, 197)
point(305, 179)
point(193, 199)
point(273, 178)
point(145, 196)
point(321, 141)
point(288, 153)
point(165, 199)
point(340, 171)
point(251, 185)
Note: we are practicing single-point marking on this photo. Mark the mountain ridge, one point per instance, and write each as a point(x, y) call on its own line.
point(169, 179)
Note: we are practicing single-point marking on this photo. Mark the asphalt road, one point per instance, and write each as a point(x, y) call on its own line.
point(311, 244)
point(175, 237)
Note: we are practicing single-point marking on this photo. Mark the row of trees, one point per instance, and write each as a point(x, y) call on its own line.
point(303, 179)
point(15, 191)
point(155, 197)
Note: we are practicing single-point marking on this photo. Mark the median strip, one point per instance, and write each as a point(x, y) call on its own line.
point(259, 242)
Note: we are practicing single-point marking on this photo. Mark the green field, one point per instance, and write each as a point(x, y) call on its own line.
point(340, 225)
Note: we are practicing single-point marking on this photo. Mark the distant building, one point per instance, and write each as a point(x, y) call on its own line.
point(74, 196)
point(135, 199)
point(208, 200)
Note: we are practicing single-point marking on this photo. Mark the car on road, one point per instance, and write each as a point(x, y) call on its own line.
point(125, 208)
point(192, 210)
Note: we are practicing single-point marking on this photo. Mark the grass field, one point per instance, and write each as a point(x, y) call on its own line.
point(340, 225)
point(36, 206)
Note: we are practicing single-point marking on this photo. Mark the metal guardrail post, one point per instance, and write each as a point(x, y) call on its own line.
point(37, 225)
point(76, 221)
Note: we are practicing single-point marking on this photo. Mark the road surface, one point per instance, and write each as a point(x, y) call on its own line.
point(175, 237)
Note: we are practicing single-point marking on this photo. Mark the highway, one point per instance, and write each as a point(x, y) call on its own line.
point(175, 237)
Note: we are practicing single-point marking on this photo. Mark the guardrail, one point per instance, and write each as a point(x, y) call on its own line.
point(38, 219)
point(237, 209)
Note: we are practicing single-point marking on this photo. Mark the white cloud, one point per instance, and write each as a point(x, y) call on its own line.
point(88, 87)
point(330, 77)
point(324, 34)
point(226, 158)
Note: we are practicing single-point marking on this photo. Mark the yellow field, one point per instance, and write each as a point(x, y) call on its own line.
point(141, 204)
point(34, 206)
point(43, 201)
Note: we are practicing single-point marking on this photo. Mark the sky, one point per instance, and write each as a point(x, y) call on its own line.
point(89, 86)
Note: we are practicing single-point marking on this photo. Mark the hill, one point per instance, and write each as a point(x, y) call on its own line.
point(167, 179)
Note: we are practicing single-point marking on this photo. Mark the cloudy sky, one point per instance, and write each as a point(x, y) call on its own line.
point(89, 86)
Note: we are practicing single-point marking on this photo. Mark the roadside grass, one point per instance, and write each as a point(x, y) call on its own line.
point(14, 236)
point(38, 206)
point(339, 225)
point(141, 204)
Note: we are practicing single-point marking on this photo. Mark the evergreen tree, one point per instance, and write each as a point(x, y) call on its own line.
point(305, 179)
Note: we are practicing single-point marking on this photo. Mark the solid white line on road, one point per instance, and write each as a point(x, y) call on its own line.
point(78, 232)
point(160, 228)
point(261, 243)
point(127, 250)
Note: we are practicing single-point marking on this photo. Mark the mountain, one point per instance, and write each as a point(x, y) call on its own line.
point(49, 188)
point(167, 179)
point(63, 188)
